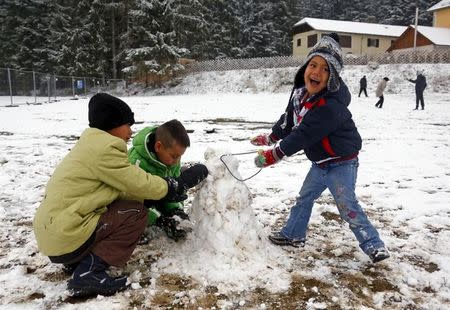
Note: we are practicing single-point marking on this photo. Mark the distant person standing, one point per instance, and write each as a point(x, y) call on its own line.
point(421, 84)
point(363, 86)
point(379, 92)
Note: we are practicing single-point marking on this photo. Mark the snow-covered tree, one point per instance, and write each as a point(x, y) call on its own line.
point(151, 52)
point(24, 33)
point(190, 26)
point(80, 43)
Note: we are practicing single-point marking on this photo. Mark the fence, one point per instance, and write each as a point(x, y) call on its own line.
point(422, 56)
point(29, 87)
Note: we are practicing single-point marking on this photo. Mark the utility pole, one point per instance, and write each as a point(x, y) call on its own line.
point(113, 44)
point(415, 27)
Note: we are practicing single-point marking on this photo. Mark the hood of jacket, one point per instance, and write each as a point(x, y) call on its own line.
point(142, 154)
point(341, 95)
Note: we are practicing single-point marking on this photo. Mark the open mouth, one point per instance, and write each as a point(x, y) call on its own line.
point(314, 82)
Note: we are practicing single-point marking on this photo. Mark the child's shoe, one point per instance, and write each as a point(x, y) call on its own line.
point(90, 279)
point(379, 254)
point(279, 239)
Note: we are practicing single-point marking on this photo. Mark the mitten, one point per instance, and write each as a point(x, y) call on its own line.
point(175, 190)
point(192, 176)
point(269, 157)
point(263, 139)
point(178, 212)
point(189, 178)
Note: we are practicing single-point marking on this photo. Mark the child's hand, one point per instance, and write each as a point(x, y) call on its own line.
point(175, 190)
point(170, 226)
point(192, 176)
point(266, 158)
point(189, 178)
point(261, 140)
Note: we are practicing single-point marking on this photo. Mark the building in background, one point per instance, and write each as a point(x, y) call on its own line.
point(355, 38)
point(441, 14)
point(428, 38)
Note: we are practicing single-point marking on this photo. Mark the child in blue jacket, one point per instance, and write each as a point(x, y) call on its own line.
point(318, 121)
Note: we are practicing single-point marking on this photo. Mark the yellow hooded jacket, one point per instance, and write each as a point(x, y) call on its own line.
point(94, 173)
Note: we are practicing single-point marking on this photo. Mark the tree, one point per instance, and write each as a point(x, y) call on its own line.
point(152, 53)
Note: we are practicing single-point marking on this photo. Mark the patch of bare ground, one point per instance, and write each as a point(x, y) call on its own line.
point(330, 216)
point(363, 286)
point(420, 262)
point(297, 296)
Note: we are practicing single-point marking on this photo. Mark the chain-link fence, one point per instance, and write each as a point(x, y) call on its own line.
point(410, 56)
point(29, 87)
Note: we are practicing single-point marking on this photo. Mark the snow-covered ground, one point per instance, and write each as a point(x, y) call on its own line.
point(403, 184)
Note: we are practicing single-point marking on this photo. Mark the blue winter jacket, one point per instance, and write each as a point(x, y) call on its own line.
point(329, 122)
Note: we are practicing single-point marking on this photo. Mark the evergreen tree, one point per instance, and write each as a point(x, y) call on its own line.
point(23, 33)
point(222, 34)
point(190, 26)
point(102, 37)
point(82, 48)
point(151, 37)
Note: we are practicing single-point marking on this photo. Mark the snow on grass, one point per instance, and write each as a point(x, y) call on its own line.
point(402, 184)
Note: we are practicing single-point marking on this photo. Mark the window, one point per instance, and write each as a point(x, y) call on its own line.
point(345, 41)
point(373, 42)
point(312, 40)
point(299, 42)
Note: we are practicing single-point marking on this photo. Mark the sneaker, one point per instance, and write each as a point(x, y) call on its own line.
point(279, 239)
point(379, 254)
point(90, 279)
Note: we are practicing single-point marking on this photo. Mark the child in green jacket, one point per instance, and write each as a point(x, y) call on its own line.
point(158, 150)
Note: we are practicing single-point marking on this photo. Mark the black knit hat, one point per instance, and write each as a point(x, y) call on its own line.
point(107, 112)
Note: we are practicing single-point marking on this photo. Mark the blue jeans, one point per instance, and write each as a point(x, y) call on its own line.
point(340, 179)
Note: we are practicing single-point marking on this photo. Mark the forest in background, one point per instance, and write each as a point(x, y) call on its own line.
point(113, 39)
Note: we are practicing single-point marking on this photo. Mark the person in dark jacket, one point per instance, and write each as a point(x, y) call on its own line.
point(318, 121)
point(363, 86)
point(421, 84)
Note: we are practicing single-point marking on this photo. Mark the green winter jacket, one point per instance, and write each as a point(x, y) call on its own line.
point(143, 156)
point(91, 176)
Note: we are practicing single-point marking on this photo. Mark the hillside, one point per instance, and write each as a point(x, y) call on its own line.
point(279, 80)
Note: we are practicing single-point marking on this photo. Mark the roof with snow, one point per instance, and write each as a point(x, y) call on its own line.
point(437, 35)
point(440, 5)
point(350, 27)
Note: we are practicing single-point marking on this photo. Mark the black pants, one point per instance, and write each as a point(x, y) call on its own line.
point(379, 104)
point(419, 98)
point(362, 89)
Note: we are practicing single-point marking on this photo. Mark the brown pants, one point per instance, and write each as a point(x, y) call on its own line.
point(116, 235)
point(119, 230)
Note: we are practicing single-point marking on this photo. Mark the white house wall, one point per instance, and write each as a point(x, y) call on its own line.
point(359, 44)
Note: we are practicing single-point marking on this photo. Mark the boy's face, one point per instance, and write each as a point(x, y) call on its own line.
point(316, 75)
point(171, 155)
point(123, 132)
